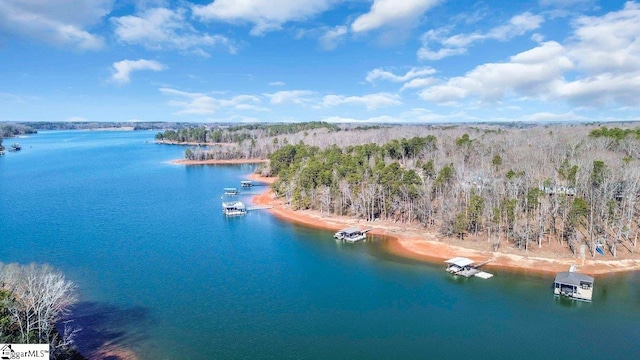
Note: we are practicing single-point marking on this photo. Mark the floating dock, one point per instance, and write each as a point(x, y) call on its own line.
point(573, 285)
point(464, 267)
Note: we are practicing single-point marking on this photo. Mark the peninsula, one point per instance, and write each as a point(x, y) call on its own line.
point(539, 198)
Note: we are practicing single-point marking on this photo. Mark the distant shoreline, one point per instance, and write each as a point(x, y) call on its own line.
point(218, 161)
point(189, 143)
point(115, 128)
point(422, 244)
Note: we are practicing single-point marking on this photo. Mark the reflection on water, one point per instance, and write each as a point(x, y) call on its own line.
point(109, 329)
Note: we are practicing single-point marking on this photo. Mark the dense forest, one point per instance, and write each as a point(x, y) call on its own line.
point(570, 185)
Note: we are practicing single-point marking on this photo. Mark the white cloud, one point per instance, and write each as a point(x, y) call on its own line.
point(610, 43)
point(391, 12)
point(416, 77)
point(53, 22)
point(329, 40)
point(371, 101)
point(124, 68)
point(458, 44)
point(565, 3)
point(193, 103)
point(421, 115)
point(414, 72)
point(161, 28)
point(601, 61)
point(530, 73)
point(548, 116)
point(424, 53)
point(299, 97)
point(416, 115)
point(265, 15)
point(277, 83)
point(418, 83)
point(376, 120)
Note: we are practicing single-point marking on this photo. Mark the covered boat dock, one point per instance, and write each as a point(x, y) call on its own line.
point(352, 234)
point(464, 267)
point(234, 208)
point(574, 285)
point(231, 191)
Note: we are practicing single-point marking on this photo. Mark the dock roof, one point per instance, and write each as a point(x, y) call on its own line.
point(460, 261)
point(351, 230)
point(233, 205)
point(572, 278)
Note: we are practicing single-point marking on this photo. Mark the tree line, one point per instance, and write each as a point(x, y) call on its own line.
point(525, 187)
point(238, 133)
point(8, 130)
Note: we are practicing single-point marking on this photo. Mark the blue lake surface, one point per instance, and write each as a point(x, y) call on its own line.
point(162, 272)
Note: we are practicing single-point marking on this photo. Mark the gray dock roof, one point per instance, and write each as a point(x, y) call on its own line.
point(572, 278)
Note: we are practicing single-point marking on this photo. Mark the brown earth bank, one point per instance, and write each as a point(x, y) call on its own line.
point(424, 244)
point(218, 161)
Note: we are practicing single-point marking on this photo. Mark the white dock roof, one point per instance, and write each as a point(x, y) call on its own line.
point(460, 261)
point(351, 230)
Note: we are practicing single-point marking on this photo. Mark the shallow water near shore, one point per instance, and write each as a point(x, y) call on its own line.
point(161, 272)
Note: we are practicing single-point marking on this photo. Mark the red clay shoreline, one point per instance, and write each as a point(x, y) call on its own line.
point(415, 242)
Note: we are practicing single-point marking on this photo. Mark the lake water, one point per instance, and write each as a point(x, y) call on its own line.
point(161, 271)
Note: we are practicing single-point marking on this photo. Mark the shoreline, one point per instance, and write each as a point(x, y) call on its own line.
point(217, 161)
point(189, 143)
point(418, 243)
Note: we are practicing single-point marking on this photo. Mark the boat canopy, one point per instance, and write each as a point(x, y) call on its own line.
point(234, 205)
point(572, 278)
point(459, 261)
point(351, 231)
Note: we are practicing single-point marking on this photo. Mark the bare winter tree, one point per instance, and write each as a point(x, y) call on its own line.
point(40, 299)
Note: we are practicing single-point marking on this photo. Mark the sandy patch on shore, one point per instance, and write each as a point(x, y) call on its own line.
point(424, 244)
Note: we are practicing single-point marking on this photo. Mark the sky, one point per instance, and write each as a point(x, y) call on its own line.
point(391, 61)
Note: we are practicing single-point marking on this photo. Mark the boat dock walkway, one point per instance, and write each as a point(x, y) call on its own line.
point(259, 207)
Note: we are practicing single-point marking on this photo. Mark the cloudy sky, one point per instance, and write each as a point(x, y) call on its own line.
point(333, 60)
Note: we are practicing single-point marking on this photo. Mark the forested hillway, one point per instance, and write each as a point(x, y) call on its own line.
point(528, 188)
